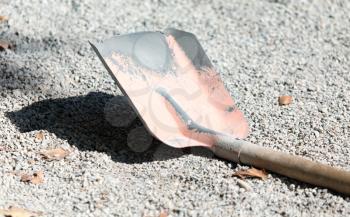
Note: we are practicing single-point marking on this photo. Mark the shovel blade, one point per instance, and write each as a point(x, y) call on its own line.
point(173, 87)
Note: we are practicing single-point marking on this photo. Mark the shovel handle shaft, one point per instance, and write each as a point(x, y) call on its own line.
point(291, 166)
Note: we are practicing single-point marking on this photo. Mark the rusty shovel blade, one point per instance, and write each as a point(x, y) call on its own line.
point(173, 87)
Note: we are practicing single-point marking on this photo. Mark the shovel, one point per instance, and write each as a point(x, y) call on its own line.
point(183, 102)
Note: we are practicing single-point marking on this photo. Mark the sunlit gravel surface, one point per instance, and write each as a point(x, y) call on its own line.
point(53, 82)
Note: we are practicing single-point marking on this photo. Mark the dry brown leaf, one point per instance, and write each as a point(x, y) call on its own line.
point(284, 100)
point(5, 45)
point(55, 154)
point(163, 214)
point(251, 173)
point(36, 178)
point(26, 178)
point(39, 136)
point(3, 18)
point(19, 212)
point(31, 162)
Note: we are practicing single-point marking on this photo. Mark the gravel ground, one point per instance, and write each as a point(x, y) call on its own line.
point(53, 82)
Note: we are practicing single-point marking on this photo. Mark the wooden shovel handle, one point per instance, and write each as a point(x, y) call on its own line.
point(291, 166)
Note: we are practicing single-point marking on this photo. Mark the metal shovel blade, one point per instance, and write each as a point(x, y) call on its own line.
point(172, 86)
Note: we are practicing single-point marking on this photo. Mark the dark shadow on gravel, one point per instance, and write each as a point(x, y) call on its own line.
point(81, 120)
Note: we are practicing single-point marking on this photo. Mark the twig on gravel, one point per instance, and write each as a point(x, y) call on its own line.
point(55, 154)
point(19, 212)
point(244, 185)
point(3, 18)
